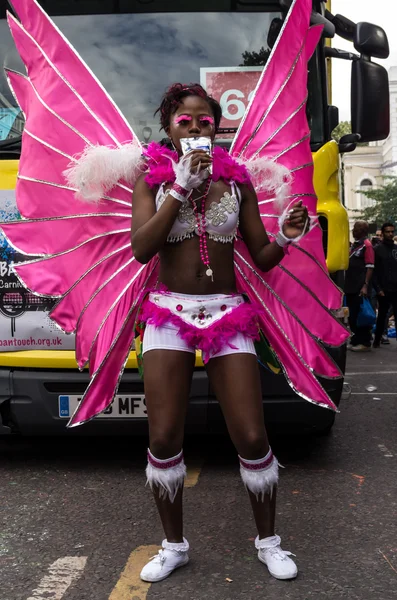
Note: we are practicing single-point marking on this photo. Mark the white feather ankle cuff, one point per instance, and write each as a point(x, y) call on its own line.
point(260, 476)
point(167, 475)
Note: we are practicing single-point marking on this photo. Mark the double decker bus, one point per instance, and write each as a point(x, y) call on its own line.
point(136, 48)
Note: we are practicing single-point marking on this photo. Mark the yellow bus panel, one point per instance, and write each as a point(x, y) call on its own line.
point(8, 174)
point(326, 185)
point(57, 359)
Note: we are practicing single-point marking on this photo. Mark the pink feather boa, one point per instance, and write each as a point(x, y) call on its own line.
point(212, 339)
point(160, 166)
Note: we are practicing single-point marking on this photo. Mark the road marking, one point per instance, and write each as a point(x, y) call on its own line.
point(193, 474)
point(372, 373)
point(130, 585)
point(62, 573)
point(377, 393)
point(386, 452)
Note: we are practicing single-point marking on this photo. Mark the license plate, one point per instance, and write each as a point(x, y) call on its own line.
point(132, 407)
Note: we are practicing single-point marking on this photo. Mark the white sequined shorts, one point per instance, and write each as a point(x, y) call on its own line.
point(219, 325)
point(166, 338)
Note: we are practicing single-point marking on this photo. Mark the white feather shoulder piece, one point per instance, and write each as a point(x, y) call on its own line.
point(99, 168)
point(267, 175)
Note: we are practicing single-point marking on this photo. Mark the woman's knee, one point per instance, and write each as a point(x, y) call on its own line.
point(253, 444)
point(166, 443)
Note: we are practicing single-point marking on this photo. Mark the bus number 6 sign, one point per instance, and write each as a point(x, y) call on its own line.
point(233, 88)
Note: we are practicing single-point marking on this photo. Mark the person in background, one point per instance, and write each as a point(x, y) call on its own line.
point(377, 238)
point(385, 281)
point(358, 284)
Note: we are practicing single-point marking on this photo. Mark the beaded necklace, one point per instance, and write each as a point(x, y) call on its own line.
point(201, 228)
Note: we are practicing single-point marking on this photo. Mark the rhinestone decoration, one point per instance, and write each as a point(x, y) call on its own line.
point(218, 212)
point(179, 307)
point(186, 215)
point(223, 307)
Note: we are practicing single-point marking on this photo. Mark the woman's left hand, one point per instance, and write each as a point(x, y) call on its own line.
point(296, 221)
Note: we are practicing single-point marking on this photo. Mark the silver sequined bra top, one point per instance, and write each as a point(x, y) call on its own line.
point(221, 218)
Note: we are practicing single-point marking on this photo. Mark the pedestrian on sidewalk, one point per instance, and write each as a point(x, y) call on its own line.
point(358, 284)
point(385, 280)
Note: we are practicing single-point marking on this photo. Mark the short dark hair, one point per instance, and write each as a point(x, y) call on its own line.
point(363, 226)
point(174, 96)
point(387, 225)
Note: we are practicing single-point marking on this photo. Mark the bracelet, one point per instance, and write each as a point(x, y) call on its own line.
point(282, 240)
point(179, 193)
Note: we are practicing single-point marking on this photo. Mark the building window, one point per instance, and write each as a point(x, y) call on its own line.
point(365, 186)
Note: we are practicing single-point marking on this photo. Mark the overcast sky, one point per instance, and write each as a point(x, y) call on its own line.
point(136, 56)
point(380, 12)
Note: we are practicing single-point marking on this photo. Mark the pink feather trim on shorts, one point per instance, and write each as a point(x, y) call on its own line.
point(212, 339)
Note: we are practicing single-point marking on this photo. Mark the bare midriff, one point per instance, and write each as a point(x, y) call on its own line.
point(181, 267)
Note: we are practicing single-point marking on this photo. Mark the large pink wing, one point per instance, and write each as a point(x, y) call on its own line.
point(85, 258)
point(298, 295)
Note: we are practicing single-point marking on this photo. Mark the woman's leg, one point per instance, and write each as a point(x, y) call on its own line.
point(236, 382)
point(235, 379)
point(168, 375)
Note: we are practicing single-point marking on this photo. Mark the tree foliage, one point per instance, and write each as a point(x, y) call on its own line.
point(385, 206)
point(255, 59)
point(344, 128)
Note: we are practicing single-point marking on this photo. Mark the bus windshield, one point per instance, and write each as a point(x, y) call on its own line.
point(136, 56)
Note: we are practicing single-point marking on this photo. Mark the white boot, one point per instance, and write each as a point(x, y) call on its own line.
point(276, 559)
point(167, 560)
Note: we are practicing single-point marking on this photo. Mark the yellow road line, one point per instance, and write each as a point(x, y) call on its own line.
point(130, 586)
point(193, 474)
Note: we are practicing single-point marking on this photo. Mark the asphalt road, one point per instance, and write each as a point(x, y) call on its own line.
point(76, 521)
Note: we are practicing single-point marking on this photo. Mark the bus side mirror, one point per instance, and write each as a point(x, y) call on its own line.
point(371, 40)
point(370, 100)
point(348, 142)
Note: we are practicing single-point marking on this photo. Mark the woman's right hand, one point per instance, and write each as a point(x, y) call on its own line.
point(199, 161)
point(192, 169)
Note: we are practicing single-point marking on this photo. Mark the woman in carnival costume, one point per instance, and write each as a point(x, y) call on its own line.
point(202, 271)
point(190, 217)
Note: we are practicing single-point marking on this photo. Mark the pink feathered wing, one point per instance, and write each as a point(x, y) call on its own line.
point(85, 252)
point(86, 260)
point(298, 295)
